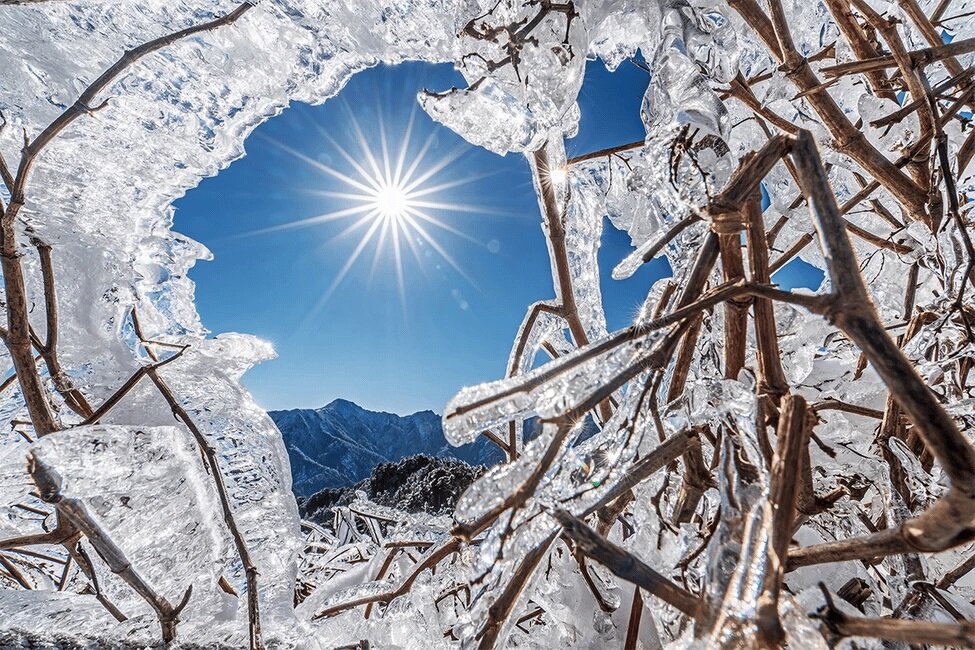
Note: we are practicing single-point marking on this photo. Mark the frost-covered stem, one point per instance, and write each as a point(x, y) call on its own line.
point(555, 231)
point(71, 395)
point(847, 139)
point(501, 609)
point(914, 632)
point(668, 236)
point(771, 376)
point(892, 426)
point(67, 535)
point(831, 404)
point(898, 115)
point(909, 73)
point(949, 521)
point(49, 485)
point(792, 437)
point(861, 47)
point(852, 310)
point(80, 555)
point(213, 463)
point(660, 355)
point(429, 562)
point(625, 565)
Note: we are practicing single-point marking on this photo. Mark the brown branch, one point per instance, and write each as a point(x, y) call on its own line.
point(771, 376)
point(918, 59)
point(85, 104)
point(792, 437)
point(611, 151)
point(74, 510)
point(429, 562)
point(213, 464)
point(847, 139)
point(958, 635)
point(71, 395)
point(555, 229)
point(735, 311)
point(626, 566)
point(949, 521)
point(905, 64)
point(502, 608)
point(861, 46)
point(633, 623)
point(831, 404)
point(18, 339)
point(125, 388)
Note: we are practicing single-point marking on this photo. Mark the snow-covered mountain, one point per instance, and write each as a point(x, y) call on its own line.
point(340, 444)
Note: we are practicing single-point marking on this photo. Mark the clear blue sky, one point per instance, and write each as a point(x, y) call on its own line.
point(364, 343)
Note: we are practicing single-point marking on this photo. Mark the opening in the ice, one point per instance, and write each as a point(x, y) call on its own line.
point(364, 240)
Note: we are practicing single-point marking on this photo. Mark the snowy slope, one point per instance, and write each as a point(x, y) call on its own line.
point(340, 443)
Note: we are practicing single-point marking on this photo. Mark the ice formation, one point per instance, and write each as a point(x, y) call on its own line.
point(111, 510)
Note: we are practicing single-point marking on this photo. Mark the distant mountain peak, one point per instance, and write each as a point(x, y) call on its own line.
point(337, 403)
point(340, 443)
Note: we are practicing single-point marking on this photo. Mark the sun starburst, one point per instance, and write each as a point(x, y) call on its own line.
point(389, 197)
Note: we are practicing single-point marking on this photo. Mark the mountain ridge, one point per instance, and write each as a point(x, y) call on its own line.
point(339, 444)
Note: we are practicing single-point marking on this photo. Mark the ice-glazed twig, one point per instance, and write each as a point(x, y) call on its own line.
point(71, 395)
point(606, 153)
point(917, 58)
point(792, 437)
point(553, 217)
point(949, 521)
point(771, 377)
point(847, 139)
point(127, 387)
point(430, 561)
point(842, 625)
point(503, 607)
point(18, 339)
point(626, 566)
point(860, 44)
point(213, 464)
point(49, 485)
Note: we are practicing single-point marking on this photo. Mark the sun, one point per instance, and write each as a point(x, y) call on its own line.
point(392, 201)
point(389, 196)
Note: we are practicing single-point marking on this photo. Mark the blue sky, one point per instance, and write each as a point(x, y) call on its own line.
point(364, 342)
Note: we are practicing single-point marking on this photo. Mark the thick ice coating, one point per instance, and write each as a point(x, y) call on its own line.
point(657, 457)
